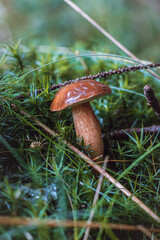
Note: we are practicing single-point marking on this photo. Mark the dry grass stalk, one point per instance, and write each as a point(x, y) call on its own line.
point(98, 169)
point(96, 196)
point(21, 221)
point(105, 33)
point(146, 232)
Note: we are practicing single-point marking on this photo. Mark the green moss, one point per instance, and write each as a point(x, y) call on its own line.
point(41, 177)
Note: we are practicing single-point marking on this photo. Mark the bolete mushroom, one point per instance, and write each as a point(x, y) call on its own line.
point(77, 95)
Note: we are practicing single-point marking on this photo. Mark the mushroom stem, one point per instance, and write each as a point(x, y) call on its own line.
point(87, 127)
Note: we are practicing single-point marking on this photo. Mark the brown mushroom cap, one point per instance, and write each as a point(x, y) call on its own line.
point(78, 92)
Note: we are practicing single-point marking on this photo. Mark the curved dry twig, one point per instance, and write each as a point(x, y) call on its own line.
point(96, 167)
point(120, 134)
point(98, 75)
point(16, 221)
point(107, 74)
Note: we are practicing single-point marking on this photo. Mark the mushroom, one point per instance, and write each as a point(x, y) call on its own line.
point(77, 95)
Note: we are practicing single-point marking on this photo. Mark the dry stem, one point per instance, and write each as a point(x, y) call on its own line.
point(95, 199)
point(98, 169)
point(105, 74)
point(152, 99)
point(121, 133)
point(16, 221)
point(147, 232)
point(105, 33)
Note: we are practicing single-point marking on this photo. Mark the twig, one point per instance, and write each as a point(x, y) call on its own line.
point(98, 75)
point(16, 221)
point(96, 167)
point(107, 74)
point(147, 232)
point(96, 196)
point(105, 33)
point(152, 99)
point(121, 133)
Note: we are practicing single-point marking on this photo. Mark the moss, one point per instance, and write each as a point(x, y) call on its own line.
point(49, 180)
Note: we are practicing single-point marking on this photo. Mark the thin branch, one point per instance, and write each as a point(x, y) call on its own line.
point(96, 167)
point(98, 75)
point(152, 99)
point(96, 196)
point(16, 221)
point(107, 74)
point(147, 232)
point(121, 133)
point(105, 33)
